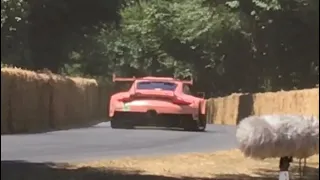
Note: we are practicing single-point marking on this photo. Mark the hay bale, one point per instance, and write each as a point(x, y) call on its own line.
point(209, 110)
point(228, 110)
point(307, 101)
point(225, 109)
point(217, 111)
point(304, 102)
point(6, 83)
point(38, 101)
point(28, 100)
point(73, 101)
point(88, 91)
point(60, 102)
point(44, 93)
point(77, 109)
point(92, 100)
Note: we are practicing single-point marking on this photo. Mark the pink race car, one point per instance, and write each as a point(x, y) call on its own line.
point(157, 101)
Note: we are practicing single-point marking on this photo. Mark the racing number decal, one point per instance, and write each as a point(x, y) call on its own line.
point(126, 107)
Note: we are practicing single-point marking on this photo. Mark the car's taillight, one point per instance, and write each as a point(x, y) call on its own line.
point(125, 99)
point(180, 101)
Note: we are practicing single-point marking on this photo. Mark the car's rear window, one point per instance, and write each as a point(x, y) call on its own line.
point(168, 86)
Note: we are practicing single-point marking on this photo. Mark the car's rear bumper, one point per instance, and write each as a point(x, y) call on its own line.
point(161, 108)
point(161, 120)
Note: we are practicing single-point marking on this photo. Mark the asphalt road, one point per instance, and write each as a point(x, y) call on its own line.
point(102, 142)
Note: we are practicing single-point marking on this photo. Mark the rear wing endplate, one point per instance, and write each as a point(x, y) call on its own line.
point(188, 82)
point(201, 94)
point(117, 79)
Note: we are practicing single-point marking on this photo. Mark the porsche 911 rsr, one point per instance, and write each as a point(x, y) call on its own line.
point(157, 101)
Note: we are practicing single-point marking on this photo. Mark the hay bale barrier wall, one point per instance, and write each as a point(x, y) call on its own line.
point(224, 109)
point(37, 102)
point(231, 109)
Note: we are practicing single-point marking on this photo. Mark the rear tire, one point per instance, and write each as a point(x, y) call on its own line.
point(202, 123)
point(197, 125)
point(194, 125)
point(190, 125)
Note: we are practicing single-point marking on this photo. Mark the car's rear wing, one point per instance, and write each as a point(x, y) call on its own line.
point(117, 79)
point(201, 94)
point(190, 82)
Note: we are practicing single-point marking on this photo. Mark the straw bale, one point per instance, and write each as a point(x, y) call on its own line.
point(93, 100)
point(6, 82)
point(86, 89)
point(216, 110)
point(303, 102)
point(225, 109)
point(209, 110)
point(77, 111)
point(63, 93)
point(74, 101)
point(33, 101)
point(229, 109)
point(29, 100)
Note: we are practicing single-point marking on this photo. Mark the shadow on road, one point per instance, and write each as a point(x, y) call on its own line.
point(20, 170)
point(83, 125)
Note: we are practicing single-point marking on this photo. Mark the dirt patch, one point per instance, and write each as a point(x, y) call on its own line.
point(196, 166)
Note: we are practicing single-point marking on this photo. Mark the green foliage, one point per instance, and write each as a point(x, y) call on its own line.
point(40, 34)
point(226, 45)
point(150, 30)
point(217, 40)
point(14, 48)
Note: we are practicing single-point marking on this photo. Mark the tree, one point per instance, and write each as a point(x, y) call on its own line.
point(241, 45)
point(226, 45)
point(50, 30)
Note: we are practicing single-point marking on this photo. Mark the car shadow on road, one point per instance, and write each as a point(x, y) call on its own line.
point(21, 170)
point(158, 128)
